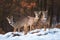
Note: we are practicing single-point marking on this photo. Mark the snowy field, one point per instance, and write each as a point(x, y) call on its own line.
point(38, 34)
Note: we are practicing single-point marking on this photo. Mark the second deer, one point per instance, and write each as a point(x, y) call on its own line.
point(44, 22)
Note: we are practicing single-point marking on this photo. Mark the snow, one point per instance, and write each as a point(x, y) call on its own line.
point(37, 34)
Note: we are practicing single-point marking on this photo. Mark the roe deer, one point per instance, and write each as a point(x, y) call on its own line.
point(34, 20)
point(24, 22)
point(44, 22)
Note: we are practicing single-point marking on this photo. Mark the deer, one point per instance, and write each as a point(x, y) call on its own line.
point(43, 21)
point(25, 22)
point(35, 19)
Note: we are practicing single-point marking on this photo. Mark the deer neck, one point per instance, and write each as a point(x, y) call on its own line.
point(36, 18)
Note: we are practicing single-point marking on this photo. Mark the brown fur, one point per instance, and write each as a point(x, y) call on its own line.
point(24, 22)
point(45, 24)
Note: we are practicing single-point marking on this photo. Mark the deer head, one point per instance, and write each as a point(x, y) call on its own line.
point(44, 15)
point(10, 20)
point(37, 13)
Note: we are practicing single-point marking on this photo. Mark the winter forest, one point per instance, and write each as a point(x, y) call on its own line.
point(29, 19)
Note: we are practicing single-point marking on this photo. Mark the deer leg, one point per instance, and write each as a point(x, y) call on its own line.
point(30, 28)
point(25, 29)
point(18, 29)
point(39, 26)
point(44, 27)
point(14, 29)
point(48, 25)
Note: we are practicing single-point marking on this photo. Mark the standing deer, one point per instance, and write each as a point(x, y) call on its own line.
point(34, 20)
point(25, 22)
point(44, 20)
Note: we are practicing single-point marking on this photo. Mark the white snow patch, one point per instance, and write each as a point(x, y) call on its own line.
point(38, 34)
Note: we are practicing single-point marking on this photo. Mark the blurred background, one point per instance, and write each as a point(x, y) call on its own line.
point(23, 8)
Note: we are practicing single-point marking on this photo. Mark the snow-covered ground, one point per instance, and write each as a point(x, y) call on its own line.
point(38, 34)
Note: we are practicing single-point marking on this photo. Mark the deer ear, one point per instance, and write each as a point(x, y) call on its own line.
point(39, 12)
point(35, 13)
point(46, 11)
